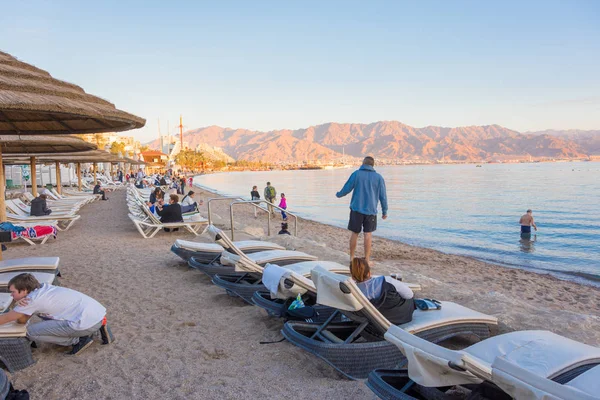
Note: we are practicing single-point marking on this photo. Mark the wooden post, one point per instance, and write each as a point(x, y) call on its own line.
point(58, 181)
point(79, 175)
point(33, 178)
point(95, 174)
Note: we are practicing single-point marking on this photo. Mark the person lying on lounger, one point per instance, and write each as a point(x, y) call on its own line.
point(69, 318)
point(392, 298)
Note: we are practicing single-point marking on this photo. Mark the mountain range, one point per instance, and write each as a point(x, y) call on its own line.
point(393, 141)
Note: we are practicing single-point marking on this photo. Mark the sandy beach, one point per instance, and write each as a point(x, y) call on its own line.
point(180, 337)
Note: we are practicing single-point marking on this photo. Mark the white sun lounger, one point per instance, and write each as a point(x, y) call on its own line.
point(523, 384)
point(42, 277)
point(353, 348)
point(542, 353)
point(5, 302)
point(27, 264)
point(211, 252)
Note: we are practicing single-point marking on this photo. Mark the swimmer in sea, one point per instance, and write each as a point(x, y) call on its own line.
point(527, 222)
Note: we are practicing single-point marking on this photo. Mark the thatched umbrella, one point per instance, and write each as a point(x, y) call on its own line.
point(33, 102)
point(32, 146)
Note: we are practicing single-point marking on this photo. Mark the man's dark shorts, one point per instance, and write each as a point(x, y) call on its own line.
point(358, 222)
point(525, 229)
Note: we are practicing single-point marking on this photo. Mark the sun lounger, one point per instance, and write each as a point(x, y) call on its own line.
point(294, 282)
point(542, 354)
point(42, 277)
point(30, 264)
point(246, 284)
point(209, 253)
point(523, 384)
point(15, 349)
point(149, 228)
point(62, 223)
point(357, 347)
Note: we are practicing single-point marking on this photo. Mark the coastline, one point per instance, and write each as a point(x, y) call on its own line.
point(521, 299)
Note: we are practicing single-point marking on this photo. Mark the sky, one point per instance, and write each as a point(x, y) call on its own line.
point(266, 65)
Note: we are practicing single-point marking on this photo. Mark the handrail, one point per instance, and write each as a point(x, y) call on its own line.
point(256, 204)
point(218, 198)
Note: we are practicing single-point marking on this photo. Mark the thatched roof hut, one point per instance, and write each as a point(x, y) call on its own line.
point(33, 102)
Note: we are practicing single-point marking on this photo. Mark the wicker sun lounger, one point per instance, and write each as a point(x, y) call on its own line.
point(525, 364)
point(357, 347)
point(210, 253)
point(294, 283)
point(246, 284)
point(15, 349)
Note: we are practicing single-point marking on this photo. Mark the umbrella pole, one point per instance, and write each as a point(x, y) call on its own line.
point(79, 175)
point(33, 178)
point(58, 181)
point(95, 175)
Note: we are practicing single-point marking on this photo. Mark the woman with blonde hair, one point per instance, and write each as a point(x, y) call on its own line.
point(391, 297)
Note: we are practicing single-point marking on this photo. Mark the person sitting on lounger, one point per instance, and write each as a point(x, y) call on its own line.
point(171, 212)
point(39, 207)
point(69, 318)
point(98, 190)
point(391, 297)
point(189, 204)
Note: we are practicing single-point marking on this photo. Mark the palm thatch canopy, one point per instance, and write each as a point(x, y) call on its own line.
point(40, 144)
point(33, 102)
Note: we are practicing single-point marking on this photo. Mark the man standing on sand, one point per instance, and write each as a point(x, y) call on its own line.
point(270, 195)
point(527, 222)
point(368, 189)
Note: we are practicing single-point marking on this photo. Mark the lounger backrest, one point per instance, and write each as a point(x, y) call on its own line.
point(521, 383)
point(244, 263)
point(429, 364)
point(329, 292)
point(15, 208)
point(28, 196)
point(22, 205)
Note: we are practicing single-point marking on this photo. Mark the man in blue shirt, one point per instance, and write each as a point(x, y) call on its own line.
point(368, 188)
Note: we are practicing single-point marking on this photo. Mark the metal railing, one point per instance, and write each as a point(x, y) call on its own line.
point(255, 203)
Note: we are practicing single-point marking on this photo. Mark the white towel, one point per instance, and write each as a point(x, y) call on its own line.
point(272, 275)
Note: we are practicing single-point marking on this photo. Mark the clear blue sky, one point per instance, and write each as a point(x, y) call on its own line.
point(526, 65)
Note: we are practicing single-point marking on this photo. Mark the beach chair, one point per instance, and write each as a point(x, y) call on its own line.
point(542, 355)
point(246, 284)
point(15, 349)
point(42, 277)
point(231, 254)
point(523, 384)
point(149, 228)
point(31, 264)
point(357, 347)
point(291, 283)
point(16, 215)
point(19, 205)
point(210, 253)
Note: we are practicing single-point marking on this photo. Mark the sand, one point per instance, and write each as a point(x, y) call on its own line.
point(180, 337)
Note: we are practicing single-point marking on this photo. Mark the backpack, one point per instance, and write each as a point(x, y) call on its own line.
point(271, 192)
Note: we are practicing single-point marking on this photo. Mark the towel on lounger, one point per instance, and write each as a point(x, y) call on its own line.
point(272, 275)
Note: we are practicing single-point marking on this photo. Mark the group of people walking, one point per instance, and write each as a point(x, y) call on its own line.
point(270, 195)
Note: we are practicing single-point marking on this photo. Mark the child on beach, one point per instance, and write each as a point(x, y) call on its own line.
point(284, 229)
point(283, 204)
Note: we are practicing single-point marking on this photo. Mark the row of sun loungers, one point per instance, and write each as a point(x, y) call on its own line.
point(148, 224)
point(40, 228)
point(352, 336)
point(15, 349)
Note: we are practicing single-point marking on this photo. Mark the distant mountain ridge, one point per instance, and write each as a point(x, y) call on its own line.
point(393, 140)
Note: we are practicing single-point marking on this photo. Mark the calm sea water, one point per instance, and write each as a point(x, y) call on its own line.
point(463, 209)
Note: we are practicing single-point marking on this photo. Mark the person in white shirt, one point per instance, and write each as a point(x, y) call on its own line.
point(69, 318)
point(189, 204)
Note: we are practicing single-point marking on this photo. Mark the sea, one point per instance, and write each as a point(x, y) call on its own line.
point(466, 209)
